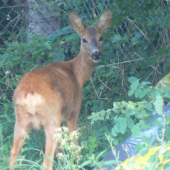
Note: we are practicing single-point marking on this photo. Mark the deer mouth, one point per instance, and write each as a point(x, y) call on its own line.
point(96, 60)
point(96, 57)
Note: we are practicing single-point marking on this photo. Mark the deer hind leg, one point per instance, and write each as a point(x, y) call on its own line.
point(20, 132)
point(51, 144)
point(72, 125)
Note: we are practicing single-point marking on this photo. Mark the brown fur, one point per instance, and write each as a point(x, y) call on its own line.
point(52, 94)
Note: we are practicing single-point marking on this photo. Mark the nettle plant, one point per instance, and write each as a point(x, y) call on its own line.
point(129, 118)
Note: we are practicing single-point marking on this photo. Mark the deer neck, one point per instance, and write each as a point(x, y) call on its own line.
point(82, 67)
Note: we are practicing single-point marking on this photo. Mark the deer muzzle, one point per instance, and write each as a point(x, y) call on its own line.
point(96, 56)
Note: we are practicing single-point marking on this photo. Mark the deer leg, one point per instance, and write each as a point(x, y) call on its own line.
point(51, 145)
point(20, 132)
point(72, 125)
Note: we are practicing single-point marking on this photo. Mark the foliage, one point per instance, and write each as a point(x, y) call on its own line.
point(131, 117)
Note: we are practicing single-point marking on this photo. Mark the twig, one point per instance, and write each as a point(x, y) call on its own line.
point(103, 83)
point(94, 87)
point(141, 33)
point(111, 65)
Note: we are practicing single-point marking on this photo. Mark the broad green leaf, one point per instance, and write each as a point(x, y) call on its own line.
point(136, 130)
point(143, 152)
point(148, 106)
point(116, 141)
point(167, 96)
point(137, 92)
point(132, 79)
point(48, 45)
point(145, 139)
point(116, 38)
point(145, 83)
point(158, 104)
point(130, 93)
point(142, 94)
point(130, 122)
point(134, 85)
point(152, 158)
point(123, 126)
point(92, 139)
point(117, 127)
point(167, 166)
point(113, 132)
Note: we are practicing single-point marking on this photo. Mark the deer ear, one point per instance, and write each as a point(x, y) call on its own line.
point(76, 22)
point(105, 19)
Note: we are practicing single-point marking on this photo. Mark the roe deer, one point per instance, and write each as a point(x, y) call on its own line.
point(48, 96)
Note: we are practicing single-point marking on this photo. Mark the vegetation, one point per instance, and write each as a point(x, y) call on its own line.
point(118, 99)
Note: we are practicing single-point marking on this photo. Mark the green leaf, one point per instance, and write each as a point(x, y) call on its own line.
point(117, 127)
point(145, 139)
point(135, 41)
point(167, 166)
point(92, 139)
point(168, 133)
point(162, 51)
point(134, 85)
point(100, 154)
point(123, 126)
point(137, 92)
point(47, 44)
point(148, 106)
point(145, 83)
point(158, 104)
point(136, 130)
point(132, 79)
point(85, 163)
point(116, 141)
point(130, 122)
point(116, 38)
point(110, 162)
point(152, 158)
point(114, 132)
point(130, 93)
point(142, 94)
point(167, 155)
point(143, 151)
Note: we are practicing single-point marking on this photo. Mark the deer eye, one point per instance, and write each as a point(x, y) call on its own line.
point(84, 40)
point(101, 39)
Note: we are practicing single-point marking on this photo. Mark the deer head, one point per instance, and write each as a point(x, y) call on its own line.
point(91, 36)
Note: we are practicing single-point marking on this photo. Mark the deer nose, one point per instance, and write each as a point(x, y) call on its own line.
point(96, 55)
